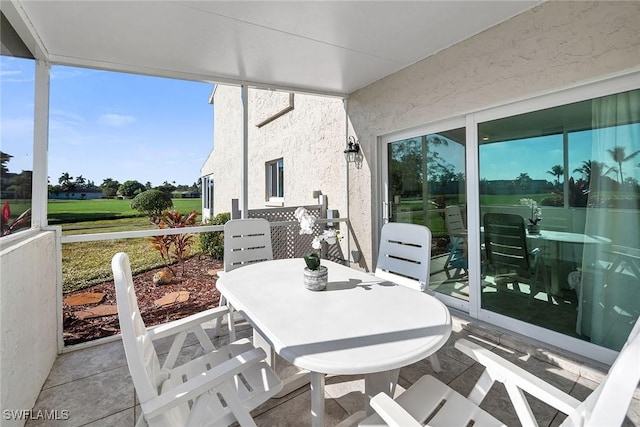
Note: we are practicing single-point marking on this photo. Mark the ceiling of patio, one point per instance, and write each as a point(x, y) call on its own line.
point(326, 47)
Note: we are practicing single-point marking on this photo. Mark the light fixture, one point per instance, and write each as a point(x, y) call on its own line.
point(352, 150)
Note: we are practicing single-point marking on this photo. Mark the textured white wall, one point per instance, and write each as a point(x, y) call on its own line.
point(28, 320)
point(310, 139)
point(550, 47)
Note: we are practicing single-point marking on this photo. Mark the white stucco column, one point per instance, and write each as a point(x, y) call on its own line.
point(245, 151)
point(39, 184)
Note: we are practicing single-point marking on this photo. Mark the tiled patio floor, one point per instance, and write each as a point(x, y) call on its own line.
point(94, 385)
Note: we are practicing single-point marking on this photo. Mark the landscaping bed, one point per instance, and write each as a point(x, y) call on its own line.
point(198, 280)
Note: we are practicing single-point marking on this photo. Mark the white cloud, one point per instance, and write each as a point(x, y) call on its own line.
point(116, 120)
point(59, 73)
point(15, 76)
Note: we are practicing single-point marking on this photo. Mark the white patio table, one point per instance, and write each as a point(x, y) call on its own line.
point(562, 237)
point(359, 324)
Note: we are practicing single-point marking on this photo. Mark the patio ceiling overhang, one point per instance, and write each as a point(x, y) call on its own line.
point(325, 47)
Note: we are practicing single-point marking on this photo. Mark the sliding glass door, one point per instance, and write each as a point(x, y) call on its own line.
point(570, 175)
point(426, 183)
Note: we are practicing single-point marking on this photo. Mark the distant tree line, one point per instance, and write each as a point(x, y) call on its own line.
point(113, 188)
point(14, 185)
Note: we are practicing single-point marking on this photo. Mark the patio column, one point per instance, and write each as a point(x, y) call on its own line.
point(39, 182)
point(245, 152)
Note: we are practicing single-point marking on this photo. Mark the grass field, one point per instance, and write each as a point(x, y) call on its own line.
point(66, 212)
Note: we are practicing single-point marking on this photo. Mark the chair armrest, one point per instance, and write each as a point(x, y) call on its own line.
point(200, 384)
point(177, 326)
point(506, 372)
point(391, 412)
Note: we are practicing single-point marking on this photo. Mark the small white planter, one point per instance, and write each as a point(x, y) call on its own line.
point(316, 280)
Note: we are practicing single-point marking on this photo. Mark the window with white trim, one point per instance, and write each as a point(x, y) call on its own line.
point(275, 181)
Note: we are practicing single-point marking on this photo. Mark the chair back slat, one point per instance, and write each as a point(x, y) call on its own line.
point(453, 220)
point(246, 241)
point(505, 242)
point(405, 254)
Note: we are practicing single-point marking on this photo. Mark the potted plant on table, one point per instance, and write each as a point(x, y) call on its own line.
point(315, 275)
point(536, 215)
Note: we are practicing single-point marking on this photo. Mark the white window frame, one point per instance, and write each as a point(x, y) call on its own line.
point(272, 167)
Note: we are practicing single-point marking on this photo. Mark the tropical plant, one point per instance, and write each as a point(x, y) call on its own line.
point(619, 155)
point(578, 193)
point(557, 171)
point(152, 203)
point(8, 226)
point(523, 181)
point(174, 247)
point(66, 183)
point(593, 170)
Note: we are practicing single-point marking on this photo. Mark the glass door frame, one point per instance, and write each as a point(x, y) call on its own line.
point(607, 85)
point(385, 209)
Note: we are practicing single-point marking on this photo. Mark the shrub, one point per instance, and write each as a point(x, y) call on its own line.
point(174, 247)
point(212, 242)
point(151, 203)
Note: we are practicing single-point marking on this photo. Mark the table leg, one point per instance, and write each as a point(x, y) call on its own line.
point(317, 399)
point(293, 380)
point(379, 382)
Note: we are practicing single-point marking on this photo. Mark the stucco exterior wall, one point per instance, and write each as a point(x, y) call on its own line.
point(552, 46)
point(28, 321)
point(310, 139)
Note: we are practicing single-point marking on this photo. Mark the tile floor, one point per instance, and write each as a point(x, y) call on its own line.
point(94, 385)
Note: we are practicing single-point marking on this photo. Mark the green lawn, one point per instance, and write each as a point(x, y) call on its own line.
point(73, 211)
point(88, 263)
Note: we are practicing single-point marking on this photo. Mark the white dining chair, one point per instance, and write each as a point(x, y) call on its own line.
point(219, 388)
point(246, 241)
point(404, 258)
point(429, 398)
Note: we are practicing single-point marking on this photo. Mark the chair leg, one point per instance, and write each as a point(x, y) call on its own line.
point(216, 330)
point(435, 363)
point(231, 324)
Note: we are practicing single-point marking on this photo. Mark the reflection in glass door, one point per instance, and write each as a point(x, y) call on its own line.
point(426, 186)
point(563, 185)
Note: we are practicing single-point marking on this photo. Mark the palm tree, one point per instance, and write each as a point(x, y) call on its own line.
point(556, 171)
point(619, 155)
point(523, 181)
point(80, 181)
point(65, 183)
point(592, 169)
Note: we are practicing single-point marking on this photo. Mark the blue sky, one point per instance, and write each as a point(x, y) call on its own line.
point(109, 125)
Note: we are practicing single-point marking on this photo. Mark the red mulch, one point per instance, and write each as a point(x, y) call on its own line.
point(198, 280)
